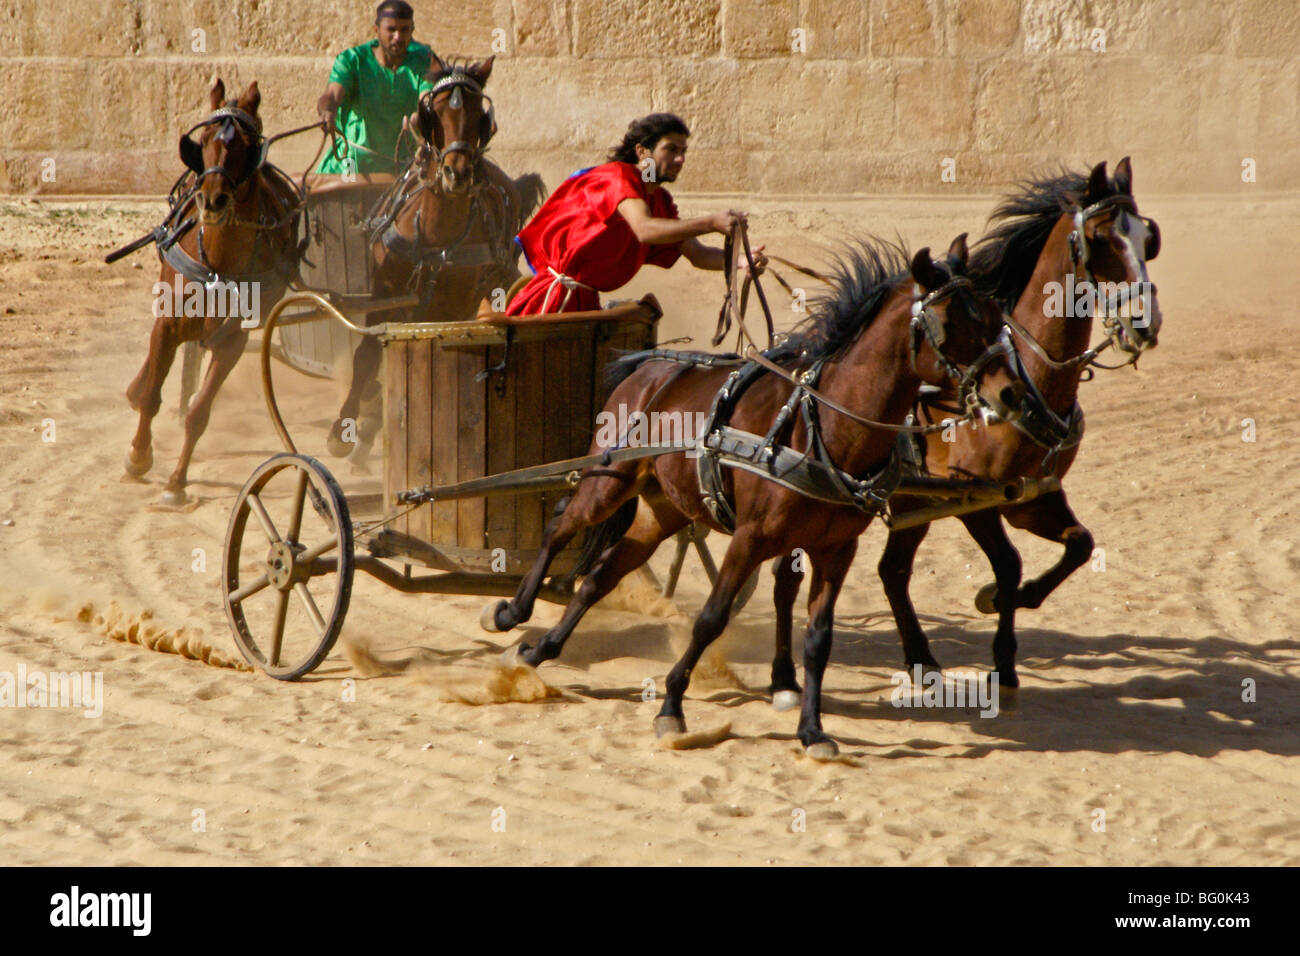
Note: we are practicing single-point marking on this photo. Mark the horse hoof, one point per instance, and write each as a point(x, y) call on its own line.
point(514, 657)
point(822, 750)
point(173, 497)
point(488, 619)
point(335, 444)
point(669, 725)
point(138, 469)
point(1007, 698)
point(786, 700)
point(986, 598)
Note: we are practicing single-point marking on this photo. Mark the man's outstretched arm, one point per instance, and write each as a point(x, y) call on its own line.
point(328, 105)
point(656, 231)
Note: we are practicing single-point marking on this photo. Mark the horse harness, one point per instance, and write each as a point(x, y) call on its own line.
point(1037, 421)
point(1112, 321)
point(812, 472)
point(490, 203)
point(184, 194)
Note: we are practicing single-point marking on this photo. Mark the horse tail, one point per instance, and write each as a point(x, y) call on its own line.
point(532, 193)
point(601, 536)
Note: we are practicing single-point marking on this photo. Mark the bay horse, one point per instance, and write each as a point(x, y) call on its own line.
point(886, 327)
point(234, 219)
point(444, 231)
point(1072, 225)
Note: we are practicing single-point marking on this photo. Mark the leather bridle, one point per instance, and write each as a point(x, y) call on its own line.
point(1132, 342)
point(456, 81)
point(231, 118)
point(927, 326)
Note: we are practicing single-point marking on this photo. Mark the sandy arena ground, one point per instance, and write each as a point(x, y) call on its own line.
point(1133, 676)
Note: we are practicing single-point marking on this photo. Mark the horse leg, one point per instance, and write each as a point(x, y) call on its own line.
point(987, 530)
point(895, 571)
point(596, 501)
point(652, 526)
point(1050, 517)
point(829, 571)
point(224, 357)
point(785, 688)
point(737, 565)
point(365, 369)
point(145, 394)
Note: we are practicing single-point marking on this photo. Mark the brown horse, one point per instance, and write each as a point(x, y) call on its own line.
point(228, 253)
point(873, 341)
point(445, 231)
point(1057, 233)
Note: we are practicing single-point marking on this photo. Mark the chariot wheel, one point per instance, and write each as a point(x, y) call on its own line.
point(287, 574)
point(694, 534)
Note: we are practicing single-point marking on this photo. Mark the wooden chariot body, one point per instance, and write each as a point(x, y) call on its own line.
point(337, 260)
point(448, 419)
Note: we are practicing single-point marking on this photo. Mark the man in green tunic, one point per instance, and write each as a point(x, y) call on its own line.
point(372, 88)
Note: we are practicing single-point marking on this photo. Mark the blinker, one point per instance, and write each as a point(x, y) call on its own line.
point(1152, 247)
point(934, 329)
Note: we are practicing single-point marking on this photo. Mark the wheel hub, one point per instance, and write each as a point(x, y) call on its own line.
point(282, 567)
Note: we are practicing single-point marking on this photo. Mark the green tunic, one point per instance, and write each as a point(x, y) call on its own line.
point(375, 99)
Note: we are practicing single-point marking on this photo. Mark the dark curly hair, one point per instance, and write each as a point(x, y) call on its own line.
point(646, 131)
point(394, 9)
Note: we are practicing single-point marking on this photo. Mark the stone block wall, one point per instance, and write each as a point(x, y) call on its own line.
point(784, 97)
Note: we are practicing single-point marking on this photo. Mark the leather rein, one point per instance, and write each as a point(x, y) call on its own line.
point(183, 197)
point(924, 326)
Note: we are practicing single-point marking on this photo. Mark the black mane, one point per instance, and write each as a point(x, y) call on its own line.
point(1002, 261)
point(860, 282)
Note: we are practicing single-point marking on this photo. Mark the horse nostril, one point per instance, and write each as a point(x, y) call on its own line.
point(218, 202)
point(1012, 395)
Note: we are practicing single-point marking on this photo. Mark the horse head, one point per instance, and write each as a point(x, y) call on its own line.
point(957, 334)
point(229, 151)
point(1111, 245)
point(456, 121)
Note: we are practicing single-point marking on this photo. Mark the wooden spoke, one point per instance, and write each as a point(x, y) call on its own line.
point(295, 513)
point(277, 632)
point(682, 543)
point(706, 559)
point(309, 605)
point(311, 554)
point(249, 589)
point(264, 519)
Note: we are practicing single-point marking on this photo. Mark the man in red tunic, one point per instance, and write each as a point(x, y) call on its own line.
point(598, 228)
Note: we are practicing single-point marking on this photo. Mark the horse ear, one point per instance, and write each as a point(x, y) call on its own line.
point(251, 99)
point(481, 71)
point(216, 93)
point(958, 251)
point(1124, 176)
point(436, 65)
point(1098, 184)
point(925, 271)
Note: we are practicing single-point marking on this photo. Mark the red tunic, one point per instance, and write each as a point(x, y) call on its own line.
point(580, 234)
